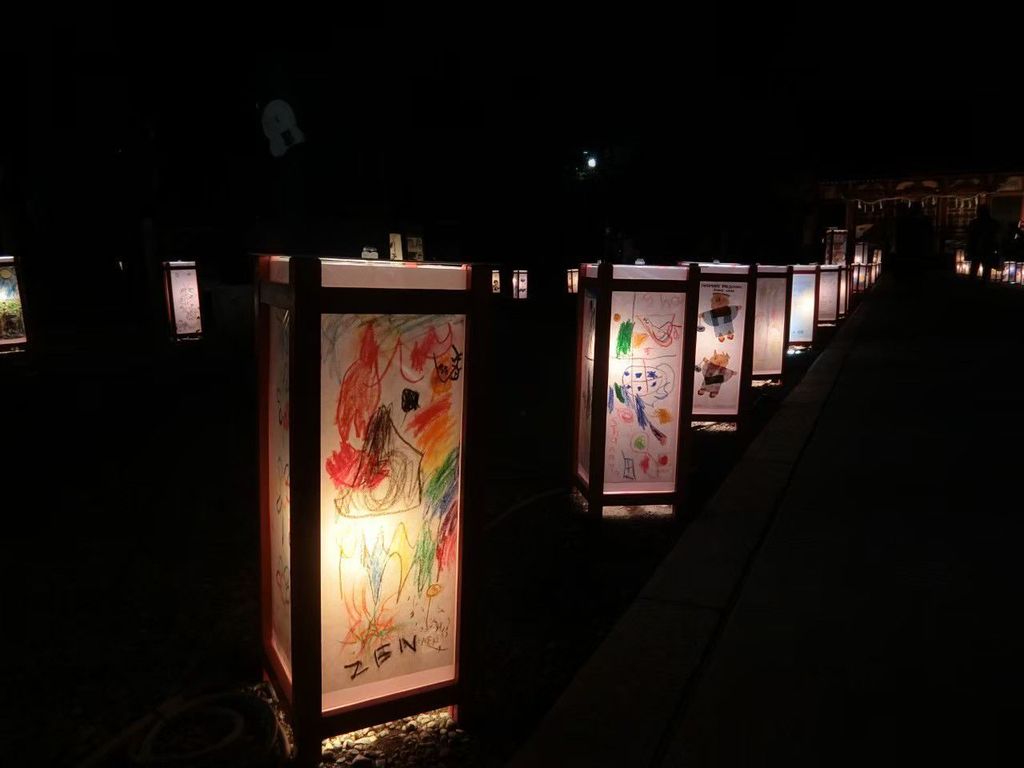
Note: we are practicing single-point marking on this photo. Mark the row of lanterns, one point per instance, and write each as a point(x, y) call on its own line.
point(1011, 272)
point(372, 400)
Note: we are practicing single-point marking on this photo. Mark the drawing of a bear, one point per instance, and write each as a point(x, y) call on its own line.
point(716, 373)
point(720, 316)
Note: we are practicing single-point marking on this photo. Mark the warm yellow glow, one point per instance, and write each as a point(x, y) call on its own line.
point(573, 280)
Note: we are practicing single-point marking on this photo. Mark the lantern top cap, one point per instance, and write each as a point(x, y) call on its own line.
point(829, 267)
point(806, 267)
point(6, 259)
point(361, 273)
point(772, 269)
point(640, 271)
point(719, 268)
point(179, 264)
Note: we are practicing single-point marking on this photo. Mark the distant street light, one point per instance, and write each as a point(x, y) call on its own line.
point(591, 162)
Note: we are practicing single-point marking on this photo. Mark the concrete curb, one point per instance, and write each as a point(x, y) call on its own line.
point(621, 704)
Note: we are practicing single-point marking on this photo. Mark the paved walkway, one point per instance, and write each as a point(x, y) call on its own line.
point(852, 595)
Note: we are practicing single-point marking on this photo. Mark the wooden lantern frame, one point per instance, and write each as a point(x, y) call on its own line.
point(295, 284)
point(170, 267)
point(600, 280)
point(804, 269)
point(772, 272)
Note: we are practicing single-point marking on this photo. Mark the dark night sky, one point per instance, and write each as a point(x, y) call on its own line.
point(699, 124)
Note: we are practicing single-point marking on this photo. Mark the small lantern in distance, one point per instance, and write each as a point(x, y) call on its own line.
point(181, 290)
point(572, 277)
point(495, 281)
point(12, 317)
point(519, 284)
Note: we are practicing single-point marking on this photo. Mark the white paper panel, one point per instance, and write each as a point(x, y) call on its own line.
point(801, 312)
point(644, 374)
point(586, 392)
point(391, 434)
point(12, 320)
point(185, 300)
point(843, 297)
point(769, 326)
point(719, 356)
point(339, 273)
point(278, 418)
point(828, 296)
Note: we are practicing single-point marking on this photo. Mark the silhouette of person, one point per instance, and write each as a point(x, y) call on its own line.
point(983, 241)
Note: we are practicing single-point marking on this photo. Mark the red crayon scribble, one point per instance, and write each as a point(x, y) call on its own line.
point(423, 418)
point(357, 401)
point(645, 463)
point(428, 346)
point(663, 460)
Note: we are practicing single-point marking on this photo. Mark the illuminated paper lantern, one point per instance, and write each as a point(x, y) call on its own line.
point(519, 285)
point(634, 385)
point(12, 315)
point(495, 281)
point(724, 341)
point(858, 278)
point(828, 294)
point(835, 246)
point(371, 390)
point(844, 291)
point(860, 253)
point(803, 313)
point(572, 279)
point(876, 256)
point(1009, 274)
point(771, 321)
point(181, 290)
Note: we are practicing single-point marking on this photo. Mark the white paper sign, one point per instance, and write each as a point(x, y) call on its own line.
point(828, 296)
point(185, 298)
point(718, 363)
point(390, 492)
point(769, 327)
point(644, 374)
point(801, 313)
